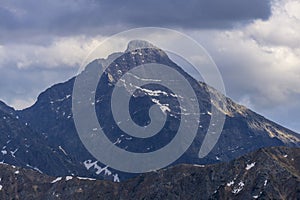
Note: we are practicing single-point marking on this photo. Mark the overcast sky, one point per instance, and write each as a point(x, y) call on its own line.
point(255, 44)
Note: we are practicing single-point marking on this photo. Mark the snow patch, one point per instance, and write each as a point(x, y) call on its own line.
point(4, 152)
point(154, 93)
point(116, 178)
point(85, 178)
point(239, 188)
point(118, 141)
point(230, 183)
point(13, 152)
point(195, 165)
point(249, 166)
point(88, 164)
point(35, 168)
point(163, 107)
point(69, 178)
point(60, 148)
point(102, 169)
point(57, 179)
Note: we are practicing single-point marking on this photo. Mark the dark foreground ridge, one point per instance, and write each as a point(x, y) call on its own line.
point(269, 173)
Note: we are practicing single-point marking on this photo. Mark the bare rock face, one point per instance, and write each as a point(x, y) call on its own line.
point(270, 173)
point(20, 145)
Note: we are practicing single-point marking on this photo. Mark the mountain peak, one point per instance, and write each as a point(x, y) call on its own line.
point(134, 44)
point(52, 116)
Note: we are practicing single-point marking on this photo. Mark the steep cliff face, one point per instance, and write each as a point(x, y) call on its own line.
point(22, 146)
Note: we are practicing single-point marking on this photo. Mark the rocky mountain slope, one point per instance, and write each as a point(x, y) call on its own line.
point(50, 119)
point(269, 173)
point(22, 146)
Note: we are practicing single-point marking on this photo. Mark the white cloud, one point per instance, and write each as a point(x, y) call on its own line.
point(282, 29)
point(61, 52)
point(267, 54)
point(293, 9)
point(28, 69)
point(260, 62)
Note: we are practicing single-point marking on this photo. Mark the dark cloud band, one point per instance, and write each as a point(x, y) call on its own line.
point(73, 16)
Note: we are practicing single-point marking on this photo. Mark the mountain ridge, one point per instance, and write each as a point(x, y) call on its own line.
point(269, 173)
point(51, 116)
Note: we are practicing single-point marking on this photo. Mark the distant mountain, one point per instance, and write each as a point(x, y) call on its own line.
point(270, 173)
point(50, 121)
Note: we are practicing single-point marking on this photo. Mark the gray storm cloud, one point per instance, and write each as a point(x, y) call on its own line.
point(86, 16)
